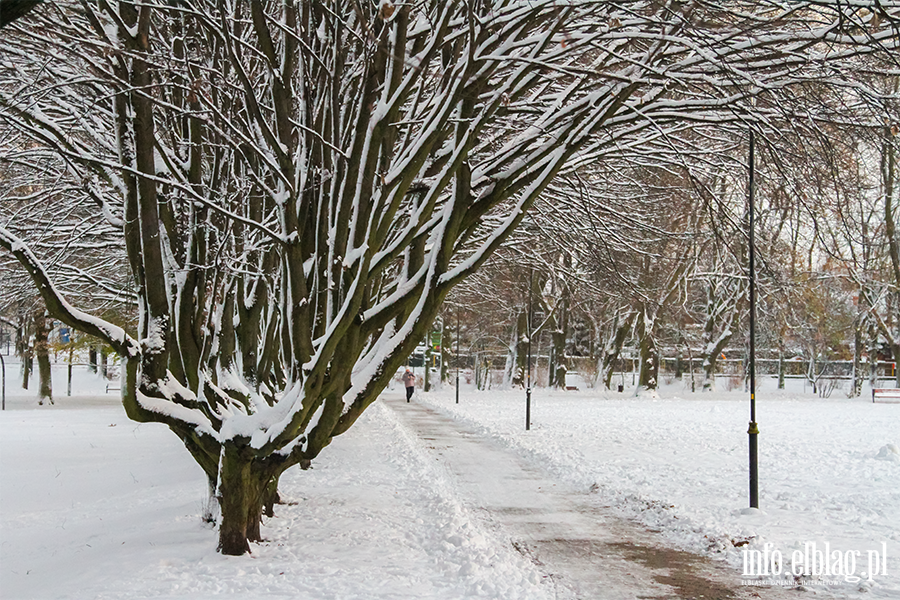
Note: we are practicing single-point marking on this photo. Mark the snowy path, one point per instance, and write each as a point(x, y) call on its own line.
point(589, 552)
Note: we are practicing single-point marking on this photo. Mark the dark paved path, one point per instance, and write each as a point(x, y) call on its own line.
point(589, 553)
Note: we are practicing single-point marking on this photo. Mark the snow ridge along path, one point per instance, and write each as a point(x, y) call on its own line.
point(587, 551)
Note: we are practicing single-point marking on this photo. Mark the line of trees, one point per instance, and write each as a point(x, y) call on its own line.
point(649, 257)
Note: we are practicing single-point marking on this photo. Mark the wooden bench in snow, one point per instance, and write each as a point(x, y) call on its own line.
point(891, 395)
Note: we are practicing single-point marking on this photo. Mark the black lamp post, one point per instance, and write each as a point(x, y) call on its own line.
point(753, 430)
point(529, 329)
point(457, 355)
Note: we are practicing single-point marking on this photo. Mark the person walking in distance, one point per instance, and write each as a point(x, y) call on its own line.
point(409, 380)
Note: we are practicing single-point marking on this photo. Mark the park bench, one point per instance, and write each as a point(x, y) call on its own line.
point(112, 387)
point(891, 395)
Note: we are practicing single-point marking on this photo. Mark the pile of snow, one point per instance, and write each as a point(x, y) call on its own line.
point(889, 452)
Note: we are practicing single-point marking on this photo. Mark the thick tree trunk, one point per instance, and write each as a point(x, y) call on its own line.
point(42, 350)
point(482, 373)
point(428, 358)
point(271, 497)
point(722, 307)
point(558, 366)
point(711, 359)
point(873, 356)
point(23, 350)
point(614, 349)
point(691, 368)
point(857, 379)
point(26, 369)
point(518, 352)
point(446, 346)
point(211, 509)
point(709, 373)
point(812, 370)
point(781, 368)
point(558, 359)
point(104, 363)
point(649, 377)
point(241, 494)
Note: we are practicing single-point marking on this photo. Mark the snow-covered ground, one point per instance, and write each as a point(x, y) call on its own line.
point(95, 506)
point(829, 470)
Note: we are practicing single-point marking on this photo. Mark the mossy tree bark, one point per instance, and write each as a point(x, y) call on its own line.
point(241, 494)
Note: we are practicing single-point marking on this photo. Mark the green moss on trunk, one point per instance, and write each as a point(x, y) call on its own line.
point(241, 496)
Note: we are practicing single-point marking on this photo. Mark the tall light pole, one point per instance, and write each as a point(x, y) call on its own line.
point(530, 330)
point(457, 355)
point(753, 430)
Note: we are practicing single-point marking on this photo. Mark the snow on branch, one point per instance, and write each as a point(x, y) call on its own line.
point(60, 308)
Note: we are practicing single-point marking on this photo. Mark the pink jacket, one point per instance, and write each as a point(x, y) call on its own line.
point(409, 379)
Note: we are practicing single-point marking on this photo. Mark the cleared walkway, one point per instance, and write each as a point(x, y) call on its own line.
point(589, 553)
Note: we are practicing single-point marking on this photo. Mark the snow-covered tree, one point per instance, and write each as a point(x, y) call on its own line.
point(298, 185)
